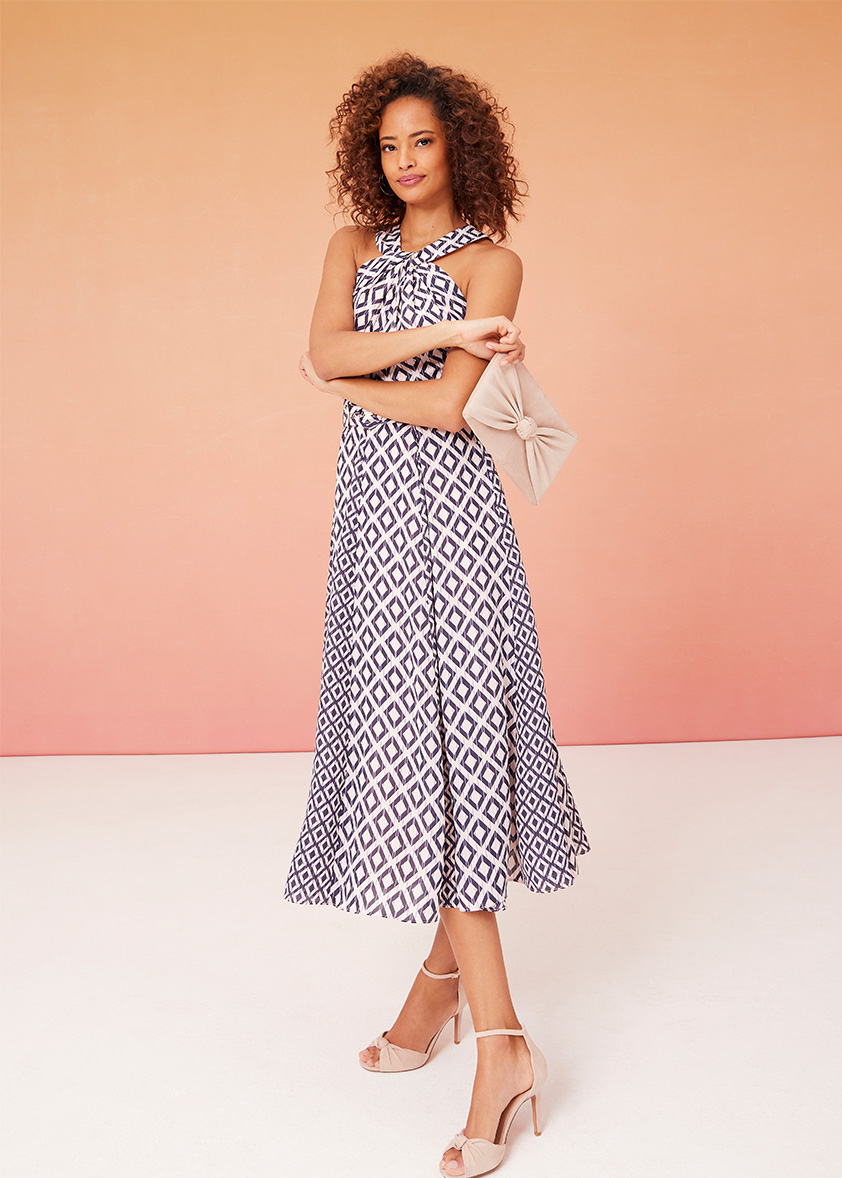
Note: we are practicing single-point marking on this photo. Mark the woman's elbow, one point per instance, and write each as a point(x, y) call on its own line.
point(452, 419)
point(326, 368)
point(454, 422)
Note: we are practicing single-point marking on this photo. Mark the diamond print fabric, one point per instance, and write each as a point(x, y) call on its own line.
point(436, 775)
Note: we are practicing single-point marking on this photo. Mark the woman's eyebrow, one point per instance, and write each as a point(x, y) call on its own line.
point(414, 135)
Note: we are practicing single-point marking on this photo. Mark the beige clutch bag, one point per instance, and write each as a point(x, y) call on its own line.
point(519, 426)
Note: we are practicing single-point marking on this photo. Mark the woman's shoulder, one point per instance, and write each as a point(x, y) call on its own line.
point(498, 261)
point(484, 266)
point(354, 243)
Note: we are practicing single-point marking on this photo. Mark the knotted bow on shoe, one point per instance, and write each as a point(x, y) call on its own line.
point(521, 428)
point(478, 1155)
point(394, 1058)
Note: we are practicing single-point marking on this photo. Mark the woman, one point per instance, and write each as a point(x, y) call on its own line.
point(436, 776)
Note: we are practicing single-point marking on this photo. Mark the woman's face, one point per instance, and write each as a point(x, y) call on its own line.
point(413, 151)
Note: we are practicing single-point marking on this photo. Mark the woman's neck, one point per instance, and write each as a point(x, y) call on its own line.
point(420, 226)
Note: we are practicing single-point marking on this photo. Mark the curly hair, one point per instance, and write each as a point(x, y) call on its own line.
point(486, 186)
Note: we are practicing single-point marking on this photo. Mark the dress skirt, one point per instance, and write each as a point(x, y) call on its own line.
point(436, 776)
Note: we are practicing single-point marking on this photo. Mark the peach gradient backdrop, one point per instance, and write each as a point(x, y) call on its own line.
point(169, 479)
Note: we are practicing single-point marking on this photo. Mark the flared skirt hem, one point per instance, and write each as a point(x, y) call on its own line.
point(428, 913)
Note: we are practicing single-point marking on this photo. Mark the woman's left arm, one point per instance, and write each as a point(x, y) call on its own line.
point(493, 288)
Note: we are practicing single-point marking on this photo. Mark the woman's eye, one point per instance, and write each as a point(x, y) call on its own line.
point(384, 147)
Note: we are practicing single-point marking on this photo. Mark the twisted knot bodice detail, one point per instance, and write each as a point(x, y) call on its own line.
point(400, 290)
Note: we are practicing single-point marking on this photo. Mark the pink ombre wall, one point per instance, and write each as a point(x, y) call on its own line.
point(169, 478)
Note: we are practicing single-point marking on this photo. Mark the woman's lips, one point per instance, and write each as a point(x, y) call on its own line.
point(408, 181)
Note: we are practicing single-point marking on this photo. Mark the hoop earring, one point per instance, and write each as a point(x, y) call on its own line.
point(387, 191)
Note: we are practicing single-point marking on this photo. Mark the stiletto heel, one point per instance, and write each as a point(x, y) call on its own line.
point(403, 1059)
point(480, 1155)
point(536, 1115)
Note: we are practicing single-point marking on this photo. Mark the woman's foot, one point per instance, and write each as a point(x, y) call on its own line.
point(429, 1004)
point(504, 1070)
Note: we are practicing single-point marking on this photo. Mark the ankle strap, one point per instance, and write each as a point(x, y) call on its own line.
point(438, 975)
point(498, 1031)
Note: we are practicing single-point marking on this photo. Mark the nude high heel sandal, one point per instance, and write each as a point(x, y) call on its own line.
point(403, 1059)
point(480, 1155)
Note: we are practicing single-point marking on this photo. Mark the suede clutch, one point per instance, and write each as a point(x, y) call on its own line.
point(519, 426)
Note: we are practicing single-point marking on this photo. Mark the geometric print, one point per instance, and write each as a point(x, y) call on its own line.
point(436, 775)
point(401, 290)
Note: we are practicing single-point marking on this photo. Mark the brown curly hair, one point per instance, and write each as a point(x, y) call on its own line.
point(486, 188)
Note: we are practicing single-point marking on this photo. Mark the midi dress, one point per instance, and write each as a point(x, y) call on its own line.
point(436, 774)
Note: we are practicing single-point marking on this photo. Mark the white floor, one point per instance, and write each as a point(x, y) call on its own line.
point(168, 1013)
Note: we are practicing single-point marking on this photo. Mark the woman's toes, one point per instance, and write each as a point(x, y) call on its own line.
point(453, 1163)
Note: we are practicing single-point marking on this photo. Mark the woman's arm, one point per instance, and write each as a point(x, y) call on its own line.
point(337, 350)
point(494, 283)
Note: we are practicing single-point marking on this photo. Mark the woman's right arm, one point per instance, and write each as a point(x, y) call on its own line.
point(337, 350)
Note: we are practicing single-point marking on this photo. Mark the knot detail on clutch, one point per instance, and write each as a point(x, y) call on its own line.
point(526, 428)
point(522, 429)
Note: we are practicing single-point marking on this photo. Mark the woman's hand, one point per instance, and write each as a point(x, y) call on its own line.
point(484, 337)
point(305, 367)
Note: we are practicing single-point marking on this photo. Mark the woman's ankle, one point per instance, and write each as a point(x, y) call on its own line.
point(510, 1022)
point(440, 965)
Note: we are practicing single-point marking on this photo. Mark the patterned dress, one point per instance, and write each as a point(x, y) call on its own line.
point(436, 775)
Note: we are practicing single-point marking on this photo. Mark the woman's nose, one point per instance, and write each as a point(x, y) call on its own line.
point(406, 157)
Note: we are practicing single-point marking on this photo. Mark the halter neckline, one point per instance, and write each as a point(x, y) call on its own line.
point(389, 243)
point(430, 244)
